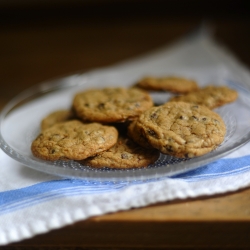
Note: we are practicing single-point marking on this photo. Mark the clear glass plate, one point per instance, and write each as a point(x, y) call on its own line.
point(20, 124)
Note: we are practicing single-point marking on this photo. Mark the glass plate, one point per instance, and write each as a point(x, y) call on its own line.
point(20, 124)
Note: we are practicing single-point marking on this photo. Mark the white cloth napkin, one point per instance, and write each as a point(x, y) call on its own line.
point(32, 202)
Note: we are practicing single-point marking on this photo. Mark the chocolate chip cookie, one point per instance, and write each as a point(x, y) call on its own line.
point(111, 104)
point(182, 129)
point(172, 84)
point(209, 96)
point(73, 140)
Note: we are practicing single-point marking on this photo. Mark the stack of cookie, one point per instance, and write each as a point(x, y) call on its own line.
point(121, 128)
point(94, 131)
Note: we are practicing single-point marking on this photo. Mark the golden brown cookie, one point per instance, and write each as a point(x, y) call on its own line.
point(210, 96)
point(111, 104)
point(182, 129)
point(172, 84)
point(56, 117)
point(124, 154)
point(73, 140)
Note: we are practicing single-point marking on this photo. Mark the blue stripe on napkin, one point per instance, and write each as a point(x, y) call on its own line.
point(45, 191)
point(220, 168)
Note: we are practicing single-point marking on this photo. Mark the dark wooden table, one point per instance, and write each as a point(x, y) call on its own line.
point(45, 41)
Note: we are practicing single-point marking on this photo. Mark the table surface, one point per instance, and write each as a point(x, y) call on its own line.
point(36, 49)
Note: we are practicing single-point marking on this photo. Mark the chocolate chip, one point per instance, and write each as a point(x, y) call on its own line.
point(101, 106)
point(153, 116)
point(124, 156)
point(152, 132)
point(169, 148)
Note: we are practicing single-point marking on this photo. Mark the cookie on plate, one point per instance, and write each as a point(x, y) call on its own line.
point(56, 117)
point(209, 96)
point(111, 104)
point(171, 83)
point(124, 154)
point(182, 129)
point(73, 140)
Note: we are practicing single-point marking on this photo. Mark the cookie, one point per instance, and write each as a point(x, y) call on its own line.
point(111, 104)
point(172, 84)
point(182, 129)
point(73, 140)
point(56, 117)
point(125, 154)
point(210, 96)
